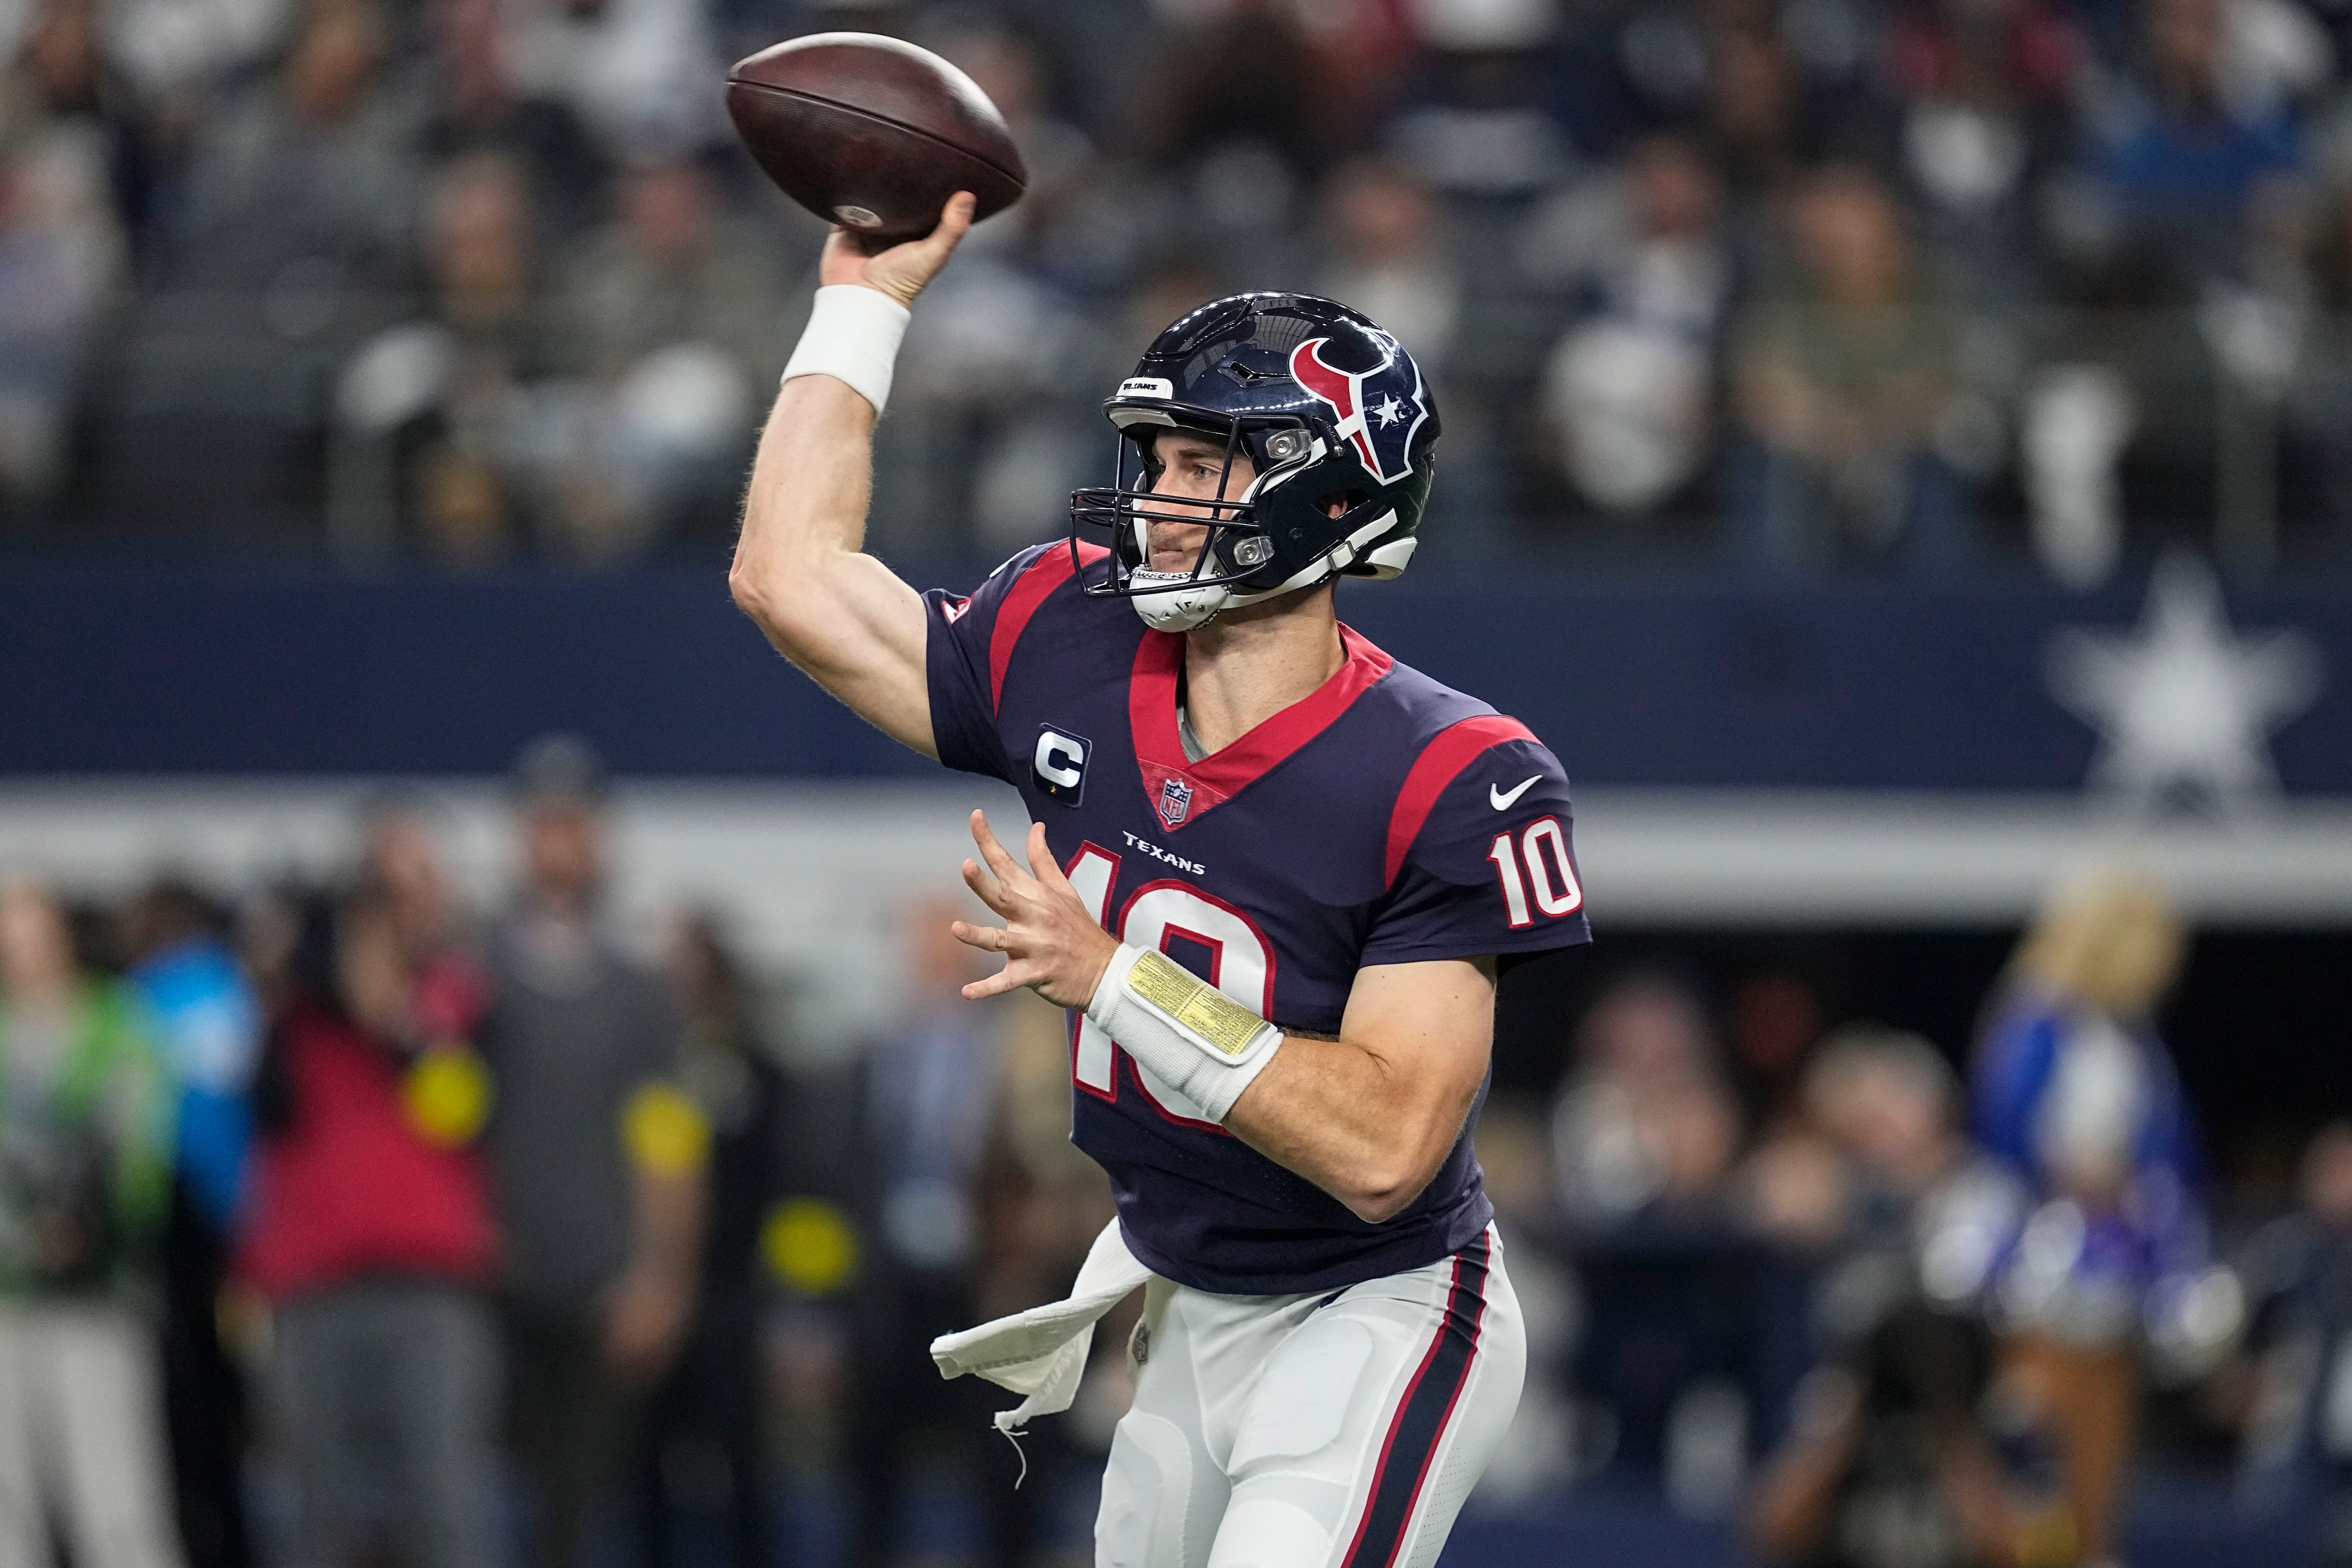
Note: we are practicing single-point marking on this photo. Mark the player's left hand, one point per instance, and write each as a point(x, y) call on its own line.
point(1050, 941)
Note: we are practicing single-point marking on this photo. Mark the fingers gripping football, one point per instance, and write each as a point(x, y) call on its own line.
point(1050, 941)
point(902, 270)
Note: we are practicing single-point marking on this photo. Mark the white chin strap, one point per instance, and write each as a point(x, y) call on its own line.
point(1180, 609)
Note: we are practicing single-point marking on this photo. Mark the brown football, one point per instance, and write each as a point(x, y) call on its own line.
point(873, 133)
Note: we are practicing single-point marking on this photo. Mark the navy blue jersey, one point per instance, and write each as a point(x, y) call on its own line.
point(1382, 819)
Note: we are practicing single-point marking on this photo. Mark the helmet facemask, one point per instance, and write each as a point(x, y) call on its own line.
point(1243, 558)
point(1236, 562)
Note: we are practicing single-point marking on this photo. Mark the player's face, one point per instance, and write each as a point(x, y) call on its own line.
point(1192, 468)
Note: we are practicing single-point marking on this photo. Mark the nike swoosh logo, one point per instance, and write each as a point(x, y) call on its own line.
point(1503, 799)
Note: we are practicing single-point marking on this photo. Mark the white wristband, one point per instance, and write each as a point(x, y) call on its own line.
point(1189, 1032)
point(853, 336)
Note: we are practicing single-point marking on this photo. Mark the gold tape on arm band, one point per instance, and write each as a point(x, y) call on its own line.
point(1194, 1004)
point(1196, 1038)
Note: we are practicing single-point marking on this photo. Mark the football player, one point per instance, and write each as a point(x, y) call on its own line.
point(1272, 869)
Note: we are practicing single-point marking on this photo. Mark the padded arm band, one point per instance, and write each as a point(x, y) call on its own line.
point(853, 336)
point(1184, 1029)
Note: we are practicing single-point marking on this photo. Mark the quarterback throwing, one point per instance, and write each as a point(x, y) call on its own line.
point(1272, 870)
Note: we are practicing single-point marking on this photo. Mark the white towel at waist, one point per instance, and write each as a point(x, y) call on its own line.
point(1042, 1352)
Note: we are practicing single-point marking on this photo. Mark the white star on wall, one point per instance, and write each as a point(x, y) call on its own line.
point(2183, 705)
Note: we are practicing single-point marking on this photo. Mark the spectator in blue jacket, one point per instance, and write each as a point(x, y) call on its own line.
point(206, 1026)
point(2179, 147)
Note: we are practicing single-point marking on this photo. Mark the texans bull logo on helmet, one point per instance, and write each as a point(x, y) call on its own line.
point(1379, 409)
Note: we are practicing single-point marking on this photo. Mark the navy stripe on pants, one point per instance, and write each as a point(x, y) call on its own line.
point(1436, 1387)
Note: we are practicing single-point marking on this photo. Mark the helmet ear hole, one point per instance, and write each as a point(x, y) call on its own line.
point(1340, 503)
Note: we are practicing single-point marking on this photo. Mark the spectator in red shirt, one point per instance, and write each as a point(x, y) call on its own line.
point(370, 1231)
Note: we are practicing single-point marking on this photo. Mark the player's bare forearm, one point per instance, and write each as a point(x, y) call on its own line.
point(810, 485)
point(840, 615)
point(1370, 1116)
point(800, 570)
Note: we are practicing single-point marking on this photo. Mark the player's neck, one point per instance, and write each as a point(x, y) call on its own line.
point(1248, 664)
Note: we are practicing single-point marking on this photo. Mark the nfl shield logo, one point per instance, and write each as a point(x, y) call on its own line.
point(1175, 801)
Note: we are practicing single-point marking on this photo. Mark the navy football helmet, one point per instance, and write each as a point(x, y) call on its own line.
point(1333, 415)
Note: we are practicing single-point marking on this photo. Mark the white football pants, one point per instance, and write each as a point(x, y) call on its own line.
point(1339, 1430)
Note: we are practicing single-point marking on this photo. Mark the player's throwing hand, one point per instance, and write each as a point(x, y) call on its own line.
point(902, 269)
point(1051, 944)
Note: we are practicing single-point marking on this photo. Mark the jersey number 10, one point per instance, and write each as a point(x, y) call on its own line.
point(1549, 874)
point(1241, 964)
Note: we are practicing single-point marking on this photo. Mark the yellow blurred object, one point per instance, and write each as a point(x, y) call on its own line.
point(665, 1133)
point(809, 1246)
point(448, 1095)
point(2046, 1539)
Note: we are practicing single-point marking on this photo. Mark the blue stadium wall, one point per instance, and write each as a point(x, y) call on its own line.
point(154, 671)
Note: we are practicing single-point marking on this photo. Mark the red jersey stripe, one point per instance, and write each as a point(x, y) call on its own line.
point(1045, 574)
point(1440, 761)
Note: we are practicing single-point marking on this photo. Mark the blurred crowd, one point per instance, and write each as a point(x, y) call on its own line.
point(1769, 286)
point(342, 1225)
point(1892, 1313)
point(339, 1222)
